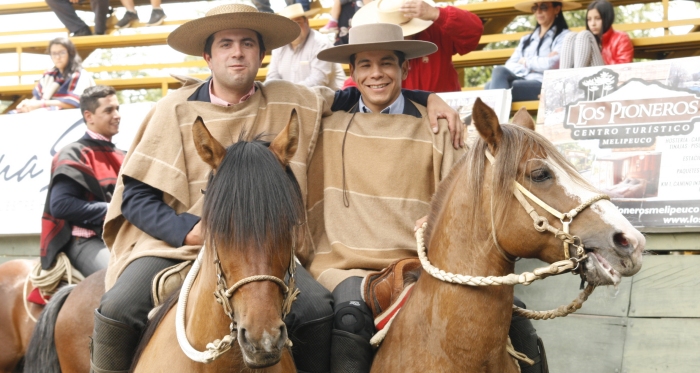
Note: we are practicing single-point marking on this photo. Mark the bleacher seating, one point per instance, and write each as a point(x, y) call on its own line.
point(496, 14)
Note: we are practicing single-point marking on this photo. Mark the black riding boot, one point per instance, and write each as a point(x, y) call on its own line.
point(524, 338)
point(113, 345)
point(350, 353)
point(353, 326)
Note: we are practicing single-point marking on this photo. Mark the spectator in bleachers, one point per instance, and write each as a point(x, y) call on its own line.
point(599, 44)
point(157, 14)
point(333, 23)
point(296, 62)
point(66, 13)
point(453, 30)
point(536, 52)
point(61, 86)
point(264, 5)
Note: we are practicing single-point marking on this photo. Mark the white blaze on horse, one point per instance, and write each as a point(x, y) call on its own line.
point(480, 222)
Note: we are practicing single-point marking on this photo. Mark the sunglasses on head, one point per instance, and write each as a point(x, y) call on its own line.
point(543, 7)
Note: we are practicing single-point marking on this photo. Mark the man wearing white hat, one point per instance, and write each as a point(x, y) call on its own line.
point(153, 219)
point(380, 165)
point(453, 30)
point(296, 62)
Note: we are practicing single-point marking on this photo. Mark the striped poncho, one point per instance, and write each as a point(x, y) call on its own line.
point(362, 209)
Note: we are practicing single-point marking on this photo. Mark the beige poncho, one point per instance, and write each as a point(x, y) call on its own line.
point(393, 164)
point(164, 157)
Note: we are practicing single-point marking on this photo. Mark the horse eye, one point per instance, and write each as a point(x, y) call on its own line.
point(540, 175)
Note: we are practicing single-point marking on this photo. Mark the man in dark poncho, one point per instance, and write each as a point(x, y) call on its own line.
point(83, 175)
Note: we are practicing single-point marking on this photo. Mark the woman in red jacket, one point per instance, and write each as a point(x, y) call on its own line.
point(599, 44)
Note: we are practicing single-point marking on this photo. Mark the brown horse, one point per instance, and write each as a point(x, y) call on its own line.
point(478, 227)
point(252, 225)
point(66, 320)
point(251, 217)
point(16, 325)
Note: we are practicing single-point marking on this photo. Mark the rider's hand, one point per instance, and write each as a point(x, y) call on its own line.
point(439, 109)
point(419, 222)
point(195, 235)
point(419, 9)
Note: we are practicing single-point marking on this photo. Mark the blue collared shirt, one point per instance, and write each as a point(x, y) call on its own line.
point(537, 63)
point(395, 108)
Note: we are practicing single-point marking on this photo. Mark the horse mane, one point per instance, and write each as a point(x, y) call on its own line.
point(252, 201)
point(516, 143)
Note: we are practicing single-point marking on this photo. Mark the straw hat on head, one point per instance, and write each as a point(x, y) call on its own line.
point(377, 37)
point(388, 11)
point(191, 36)
point(526, 6)
point(296, 10)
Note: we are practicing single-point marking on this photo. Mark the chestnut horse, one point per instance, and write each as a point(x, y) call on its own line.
point(478, 227)
point(16, 325)
point(252, 220)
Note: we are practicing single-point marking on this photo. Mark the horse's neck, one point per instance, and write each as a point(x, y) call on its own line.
point(474, 312)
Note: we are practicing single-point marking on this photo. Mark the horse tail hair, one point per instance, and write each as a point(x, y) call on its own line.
point(41, 354)
point(153, 325)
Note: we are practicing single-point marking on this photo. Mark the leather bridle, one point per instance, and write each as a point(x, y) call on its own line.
point(541, 223)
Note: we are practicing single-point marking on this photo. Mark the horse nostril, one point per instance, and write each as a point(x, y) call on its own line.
point(621, 240)
point(242, 335)
point(282, 341)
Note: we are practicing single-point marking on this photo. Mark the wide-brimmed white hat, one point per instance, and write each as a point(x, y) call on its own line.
point(296, 10)
point(388, 11)
point(191, 36)
point(526, 6)
point(377, 37)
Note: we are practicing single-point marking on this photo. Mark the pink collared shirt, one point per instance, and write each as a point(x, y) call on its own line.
point(97, 136)
point(219, 101)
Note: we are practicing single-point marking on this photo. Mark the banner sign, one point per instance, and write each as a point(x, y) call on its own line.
point(633, 131)
point(497, 99)
point(28, 143)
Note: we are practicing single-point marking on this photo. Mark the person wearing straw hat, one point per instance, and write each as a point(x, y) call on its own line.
point(379, 164)
point(453, 30)
point(362, 217)
point(153, 219)
point(296, 62)
point(536, 53)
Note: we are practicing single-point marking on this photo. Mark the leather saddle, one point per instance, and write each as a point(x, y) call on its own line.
point(169, 280)
point(380, 290)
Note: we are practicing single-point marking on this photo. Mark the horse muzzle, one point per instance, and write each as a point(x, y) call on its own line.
point(609, 261)
point(263, 350)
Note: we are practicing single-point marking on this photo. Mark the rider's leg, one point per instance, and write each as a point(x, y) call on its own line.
point(524, 338)
point(309, 324)
point(353, 327)
point(123, 314)
point(88, 255)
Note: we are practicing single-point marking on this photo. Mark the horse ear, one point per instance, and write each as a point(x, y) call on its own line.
point(210, 150)
point(284, 146)
point(523, 119)
point(486, 122)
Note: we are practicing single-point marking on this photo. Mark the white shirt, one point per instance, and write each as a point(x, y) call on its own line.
point(537, 63)
point(301, 66)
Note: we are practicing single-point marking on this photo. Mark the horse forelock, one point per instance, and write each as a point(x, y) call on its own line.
point(252, 202)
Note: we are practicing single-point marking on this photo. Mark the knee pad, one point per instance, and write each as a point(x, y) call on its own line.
point(354, 317)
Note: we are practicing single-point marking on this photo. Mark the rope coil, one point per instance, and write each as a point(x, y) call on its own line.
point(47, 281)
